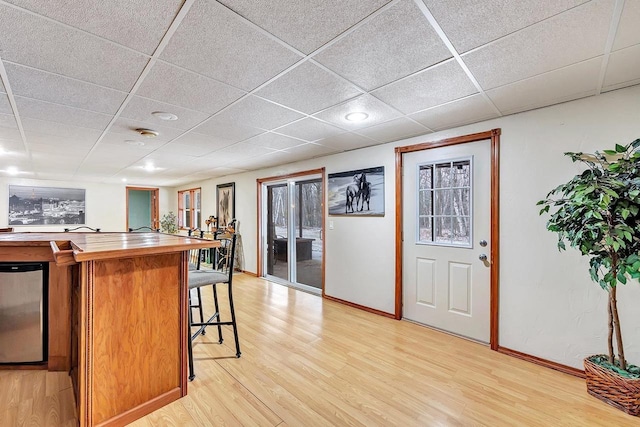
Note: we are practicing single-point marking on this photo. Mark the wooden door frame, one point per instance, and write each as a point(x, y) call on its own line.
point(494, 136)
point(259, 182)
point(155, 208)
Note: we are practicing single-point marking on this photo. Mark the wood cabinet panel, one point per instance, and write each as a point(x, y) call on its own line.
point(59, 318)
point(134, 328)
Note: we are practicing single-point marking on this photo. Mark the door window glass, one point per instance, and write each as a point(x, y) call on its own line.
point(444, 203)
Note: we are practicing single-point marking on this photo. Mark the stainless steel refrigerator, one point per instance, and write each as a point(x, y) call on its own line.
point(23, 312)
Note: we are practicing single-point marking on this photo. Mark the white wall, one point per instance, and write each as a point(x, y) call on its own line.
point(548, 305)
point(105, 203)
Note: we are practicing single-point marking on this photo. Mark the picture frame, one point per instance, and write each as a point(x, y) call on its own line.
point(226, 203)
point(358, 192)
point(33, 205)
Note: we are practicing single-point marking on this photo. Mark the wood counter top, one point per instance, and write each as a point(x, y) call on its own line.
point(78, 247)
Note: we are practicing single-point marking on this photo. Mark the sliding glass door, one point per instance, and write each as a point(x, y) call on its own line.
point(293, 231)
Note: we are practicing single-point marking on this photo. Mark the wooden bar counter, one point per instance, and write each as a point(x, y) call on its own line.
point(117, 316)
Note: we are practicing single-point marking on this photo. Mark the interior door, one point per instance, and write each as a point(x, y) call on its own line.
point(446, 232)
point(142, 207)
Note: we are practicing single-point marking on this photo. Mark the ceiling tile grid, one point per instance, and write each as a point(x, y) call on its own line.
point(247, 79)
point(50, 46)
point(576, 35)
point(400, 32)
point(216, 42)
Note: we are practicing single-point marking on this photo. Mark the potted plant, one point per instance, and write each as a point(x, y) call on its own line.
point(169, 223)
point(598, 212)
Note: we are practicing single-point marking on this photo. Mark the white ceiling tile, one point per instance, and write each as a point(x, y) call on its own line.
point(40, 43)
point(116, 140)
point(74, 152)
point(240, 150)
point(347, 141)
point(466, 22)
point(443, 83)
point(128, 127)
point(187, 89)
point(139, 25)
point(308, 88)
point(309, 129)
point(55, 175)
point(628, 32)
point(568, 83)
point(62, 130)
point(274, 141)
point(305, 25)
point(140, 109)
point(225, 129)
point(5, 105)
point(37, 84)
point(623, 68)
point(193, 139)
point(215, 42)
point(41, 110)
point(457, 113)
point(377, 111)
point(400, 32)
point(262, 161)
point(576, 35)
point(258, 113)
point(394, 130)
point(7, 121)
point(308, 151)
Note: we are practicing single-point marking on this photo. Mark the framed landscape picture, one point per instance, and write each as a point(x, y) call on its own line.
point(226, 207)
point(30, 205)
point(357, 192)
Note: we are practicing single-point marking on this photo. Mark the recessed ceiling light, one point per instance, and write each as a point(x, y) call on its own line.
point(356, 117)
point(149, 167)
point(12, 170)
point(124, 179)
point(134, 142)
point(147, 133)
point(162, 115)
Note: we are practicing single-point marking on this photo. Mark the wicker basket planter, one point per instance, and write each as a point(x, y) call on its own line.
point(612, 388)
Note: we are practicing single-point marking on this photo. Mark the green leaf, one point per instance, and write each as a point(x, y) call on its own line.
point(561, 246)
point(625, 213)
point(610, 152)
point(620, 148)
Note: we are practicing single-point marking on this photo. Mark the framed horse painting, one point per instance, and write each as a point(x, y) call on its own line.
point(357, 192)
point(226, 206)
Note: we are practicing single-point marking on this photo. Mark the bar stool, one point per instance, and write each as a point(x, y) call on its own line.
point(221, 272)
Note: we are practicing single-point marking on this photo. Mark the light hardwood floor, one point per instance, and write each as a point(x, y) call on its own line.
point(310, 362)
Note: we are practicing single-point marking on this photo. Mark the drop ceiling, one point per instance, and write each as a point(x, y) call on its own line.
point(258, 84)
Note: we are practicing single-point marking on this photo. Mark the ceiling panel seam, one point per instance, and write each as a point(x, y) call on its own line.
point(14, 107)
point(613, 29)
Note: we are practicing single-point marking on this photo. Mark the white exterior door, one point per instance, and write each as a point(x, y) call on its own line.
point(446, 233)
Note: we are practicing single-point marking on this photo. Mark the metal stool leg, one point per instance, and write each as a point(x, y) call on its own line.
point(217, 308)
point(192, 375)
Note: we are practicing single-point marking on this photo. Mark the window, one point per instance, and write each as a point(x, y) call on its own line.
point(444, 203)
point(189, 208)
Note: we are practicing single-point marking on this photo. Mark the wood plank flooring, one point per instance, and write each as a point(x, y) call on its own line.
point(310, 362)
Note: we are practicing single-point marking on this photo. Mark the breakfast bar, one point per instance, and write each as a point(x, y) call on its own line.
point(117, 317)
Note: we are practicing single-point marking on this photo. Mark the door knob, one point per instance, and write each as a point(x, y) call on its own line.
point(482, 257)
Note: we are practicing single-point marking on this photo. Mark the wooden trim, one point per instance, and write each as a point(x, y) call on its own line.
point(494, 136)
point(495, 242)
point(181, 208)
point(449, 141)
point(360, 307)
point(543, 362)
point(30, 367)
point(59, 318)
point(155, 210)
point(249, 273)
point(184, 321)
point(140, 411)
point(259, 182)
point(323, 194)
point(399, 234)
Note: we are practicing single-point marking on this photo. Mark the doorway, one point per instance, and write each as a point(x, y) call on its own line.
point(447, 261)
point(292, 230)
point(142, 207)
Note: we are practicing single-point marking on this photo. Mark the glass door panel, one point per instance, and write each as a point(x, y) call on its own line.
point(277, 231)
point(309, 233)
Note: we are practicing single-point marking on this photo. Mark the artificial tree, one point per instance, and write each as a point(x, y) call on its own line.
point(169, 223)
point(598, 212)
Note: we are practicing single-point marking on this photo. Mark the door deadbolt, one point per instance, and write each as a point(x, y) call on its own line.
point(483, 243)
